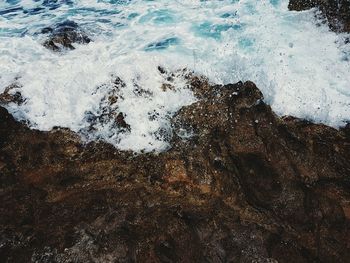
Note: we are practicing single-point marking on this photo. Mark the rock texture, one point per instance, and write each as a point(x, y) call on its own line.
point(64, 35)
point(336, 11)
point(238, 185)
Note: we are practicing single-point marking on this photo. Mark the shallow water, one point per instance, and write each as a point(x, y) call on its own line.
point(302, 69)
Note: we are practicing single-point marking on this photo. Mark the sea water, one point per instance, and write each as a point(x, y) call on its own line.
point(302, 68)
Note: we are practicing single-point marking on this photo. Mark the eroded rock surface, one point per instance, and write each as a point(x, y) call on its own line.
point(238, 185)
point(336, 11)
point(64, 35)
point(12, 94)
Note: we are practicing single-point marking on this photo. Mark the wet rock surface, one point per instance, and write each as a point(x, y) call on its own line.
point(239, 185)
point(12, 94)
point(336, 11)
point(108, 114)
point(63, 36)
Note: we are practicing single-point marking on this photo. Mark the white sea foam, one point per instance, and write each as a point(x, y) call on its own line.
point(302, 69)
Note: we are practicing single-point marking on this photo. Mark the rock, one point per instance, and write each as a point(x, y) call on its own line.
point(243, 186)
point(64, 35)
point(12, 94)
point(336, 11)
point(107, 115)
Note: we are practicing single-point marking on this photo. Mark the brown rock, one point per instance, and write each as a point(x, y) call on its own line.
point(12, 94)
point(243, 185)
point(336, 11)
point(64, 35)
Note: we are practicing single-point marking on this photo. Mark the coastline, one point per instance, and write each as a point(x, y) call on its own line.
point(247, 186)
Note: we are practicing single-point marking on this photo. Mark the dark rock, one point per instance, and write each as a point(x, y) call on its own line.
point(12, 94)
point(244, 186)
point(336, 11)
point(64, 35)
point(108, 113)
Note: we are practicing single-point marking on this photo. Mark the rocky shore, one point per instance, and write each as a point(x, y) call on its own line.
point(337, 12)
point(239, 184)
point(246, 186)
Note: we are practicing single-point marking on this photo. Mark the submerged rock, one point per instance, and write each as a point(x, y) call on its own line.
point(64, 35)
point(336, 11)
point(107, 116)
point(243, 185)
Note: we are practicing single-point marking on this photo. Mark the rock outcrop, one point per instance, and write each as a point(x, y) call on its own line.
point(239, 185)
point(64, 35)
point(336, 11)
point(12, 94)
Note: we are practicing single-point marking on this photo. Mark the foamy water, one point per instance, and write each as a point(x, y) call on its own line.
point(302, 69)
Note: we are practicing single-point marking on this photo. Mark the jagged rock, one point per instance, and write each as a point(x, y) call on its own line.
point(64, 35)
point(243, 186)
point(12, 94)
point(336, 11)
point(108, 115)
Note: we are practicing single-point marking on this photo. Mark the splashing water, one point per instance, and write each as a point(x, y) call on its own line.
point(302, 69)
